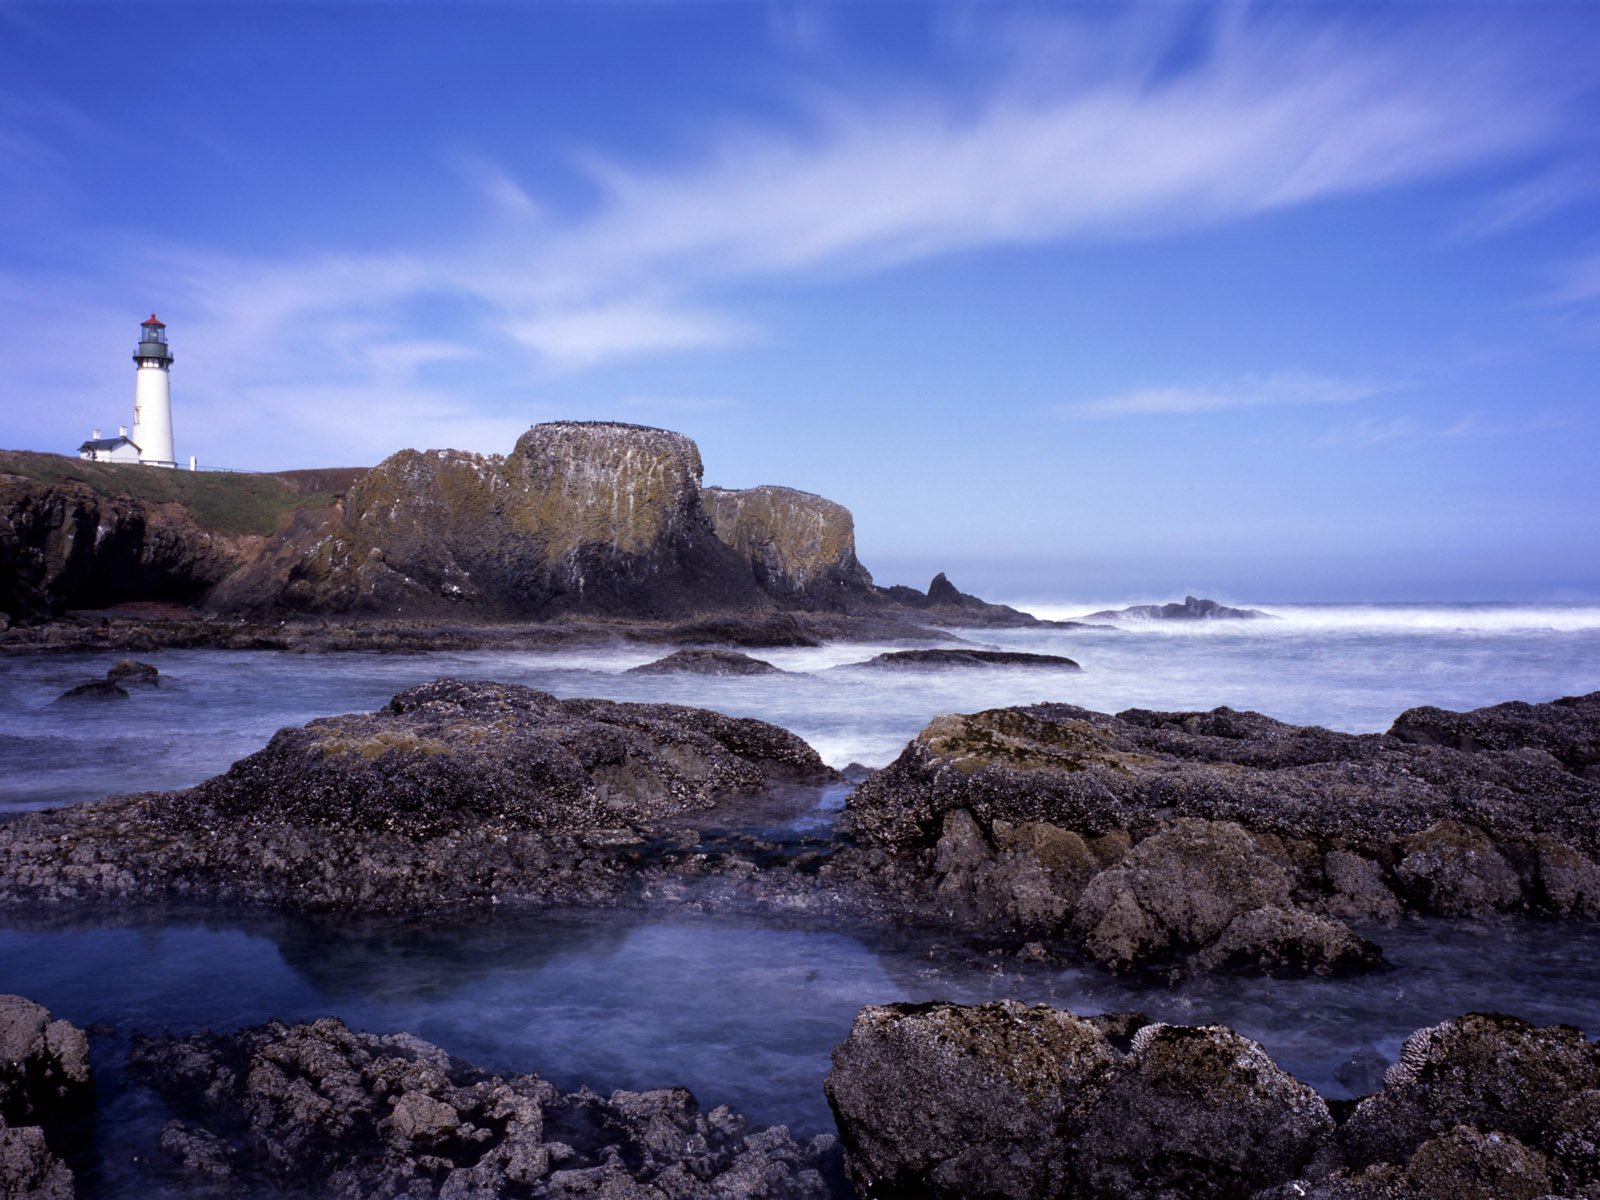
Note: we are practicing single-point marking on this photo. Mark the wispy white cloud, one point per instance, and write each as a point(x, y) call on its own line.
point(1274, 113)
point(1251, 391)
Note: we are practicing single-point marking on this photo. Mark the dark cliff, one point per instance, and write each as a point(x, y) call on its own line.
point(801, 548)
point(79, 534)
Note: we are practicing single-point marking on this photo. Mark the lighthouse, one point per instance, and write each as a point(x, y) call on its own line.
point(152, 396)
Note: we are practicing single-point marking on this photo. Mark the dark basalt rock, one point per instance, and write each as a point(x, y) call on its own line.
point(454, 753)
point(344, 1114)
point(939, 1100)
point(1003, 1100)
point(927, 660)
point(1567, 729)
point(706, 662)
point(1192, 609)
point(92, 692)
point(454, 793)
point(945, 604)
point(1235, 817)
point(45, 1090)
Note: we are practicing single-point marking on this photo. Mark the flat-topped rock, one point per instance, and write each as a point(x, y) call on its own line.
point(707, 661)
point(932, 660)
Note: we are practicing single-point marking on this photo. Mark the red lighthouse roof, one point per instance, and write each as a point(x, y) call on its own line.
point(153, 321)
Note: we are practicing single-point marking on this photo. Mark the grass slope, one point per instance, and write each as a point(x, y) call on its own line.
point(223, 502)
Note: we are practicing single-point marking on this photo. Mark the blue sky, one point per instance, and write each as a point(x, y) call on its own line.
point(1258, 301)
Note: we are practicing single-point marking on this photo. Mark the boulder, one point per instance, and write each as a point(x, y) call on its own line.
point(334, 1112)
point(945, 1100)
point(127, 671)
point(93, 692)
point(1567, 729)
point(706, 662)
point(1495, 1074)
point(45, 1092)
point(1003, 1100)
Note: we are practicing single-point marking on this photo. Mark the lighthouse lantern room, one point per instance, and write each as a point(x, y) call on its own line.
point(152, 396)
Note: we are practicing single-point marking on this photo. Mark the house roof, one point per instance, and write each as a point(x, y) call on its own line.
point(108, 443)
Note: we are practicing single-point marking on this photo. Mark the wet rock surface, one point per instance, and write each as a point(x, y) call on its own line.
point(1228, 838)
point(1001, 1099)
point(929, 660)
point(324, 1110)
point(45, 1095)
point(455, 792)
point(706, 662)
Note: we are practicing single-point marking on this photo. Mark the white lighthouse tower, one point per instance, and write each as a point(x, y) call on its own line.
point(152, 396)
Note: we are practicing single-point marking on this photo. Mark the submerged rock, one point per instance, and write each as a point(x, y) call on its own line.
point(706, 662)
point(940, 1100)
point(1192, 609)
point(927, 660)
point(347, 1114)
point(92, 692)
point(128, 671)
point(45, 1088)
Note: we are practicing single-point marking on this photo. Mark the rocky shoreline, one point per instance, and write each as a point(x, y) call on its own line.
point(1143, 841)
point(998, 1100)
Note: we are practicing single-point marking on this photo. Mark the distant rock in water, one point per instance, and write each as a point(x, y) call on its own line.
point(706, 662)
point(948, 605)
point(801, 548)
point(928, 660)
point(128, 671)
point(92, 692)
point(1191, 609)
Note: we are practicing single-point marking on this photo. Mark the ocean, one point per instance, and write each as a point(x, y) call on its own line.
point(740, 1011)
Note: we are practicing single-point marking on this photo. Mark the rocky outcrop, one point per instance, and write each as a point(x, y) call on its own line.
point(801, 548)
point(591, 517)
point(1191, 609)
point(944, 604)
point(453, 793)
point(706, 662)
point(86, 535)
point(932, 660)
point(939, 1100)
point(338, 1113)
point(45, 1088)
point(1228, 837)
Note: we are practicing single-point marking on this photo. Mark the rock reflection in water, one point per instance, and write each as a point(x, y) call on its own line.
point(740, 1013)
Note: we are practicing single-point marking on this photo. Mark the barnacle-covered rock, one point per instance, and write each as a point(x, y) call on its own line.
point(45, 1089)
point(339, 1113)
